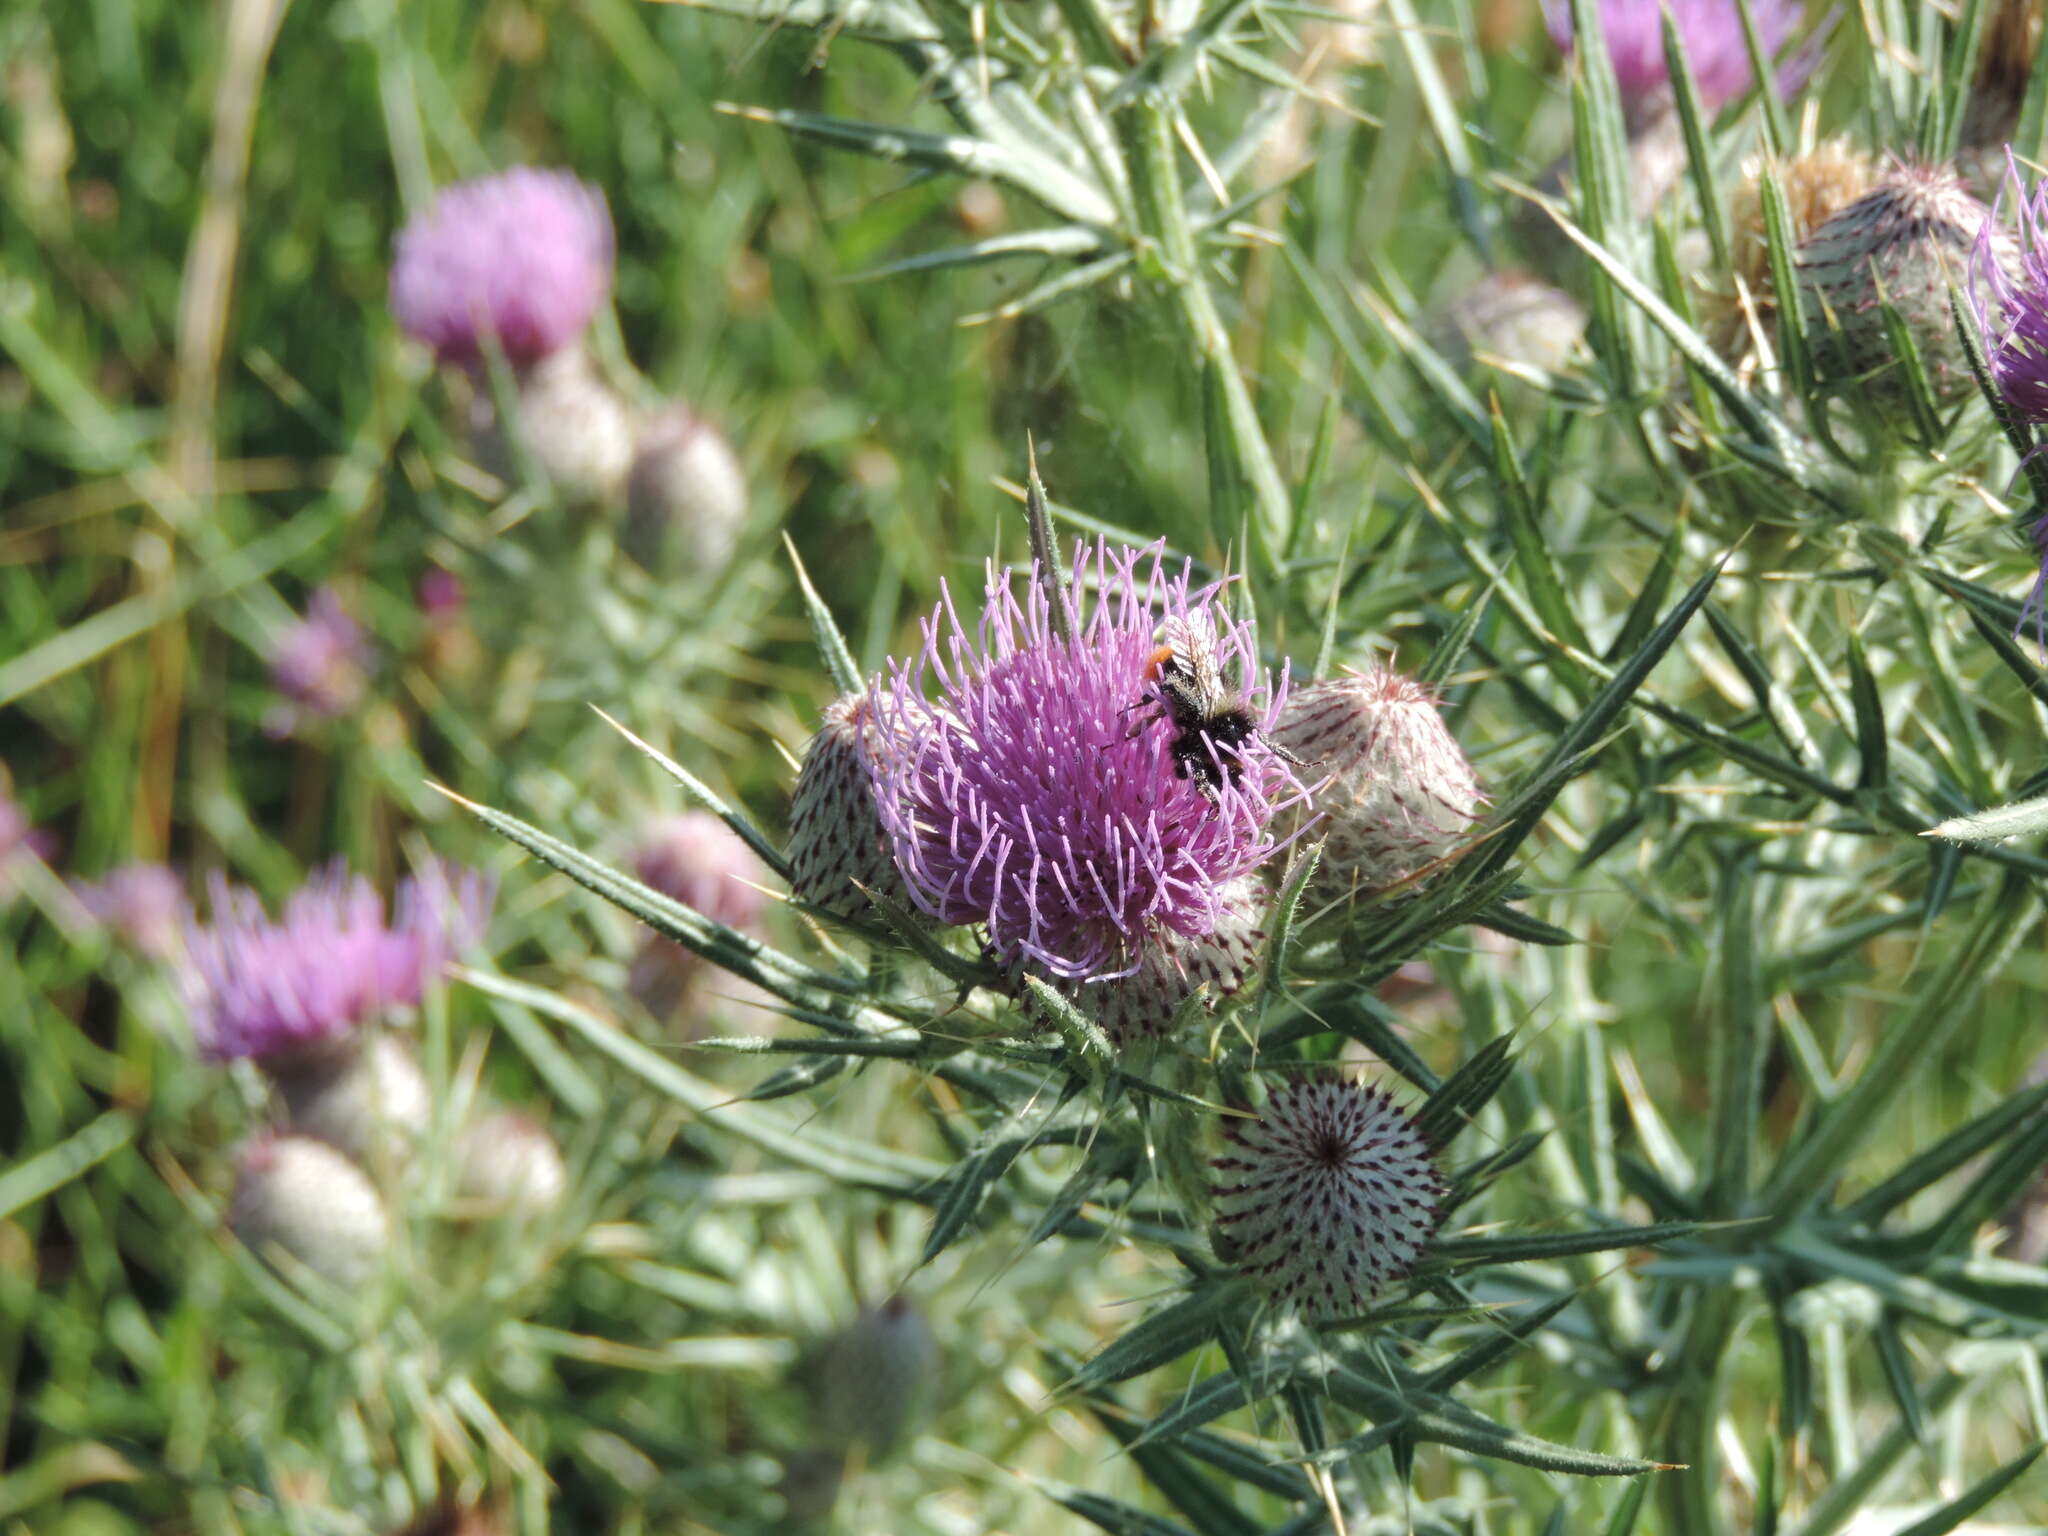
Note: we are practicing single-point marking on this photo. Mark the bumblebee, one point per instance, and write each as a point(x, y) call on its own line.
point(1211, 723)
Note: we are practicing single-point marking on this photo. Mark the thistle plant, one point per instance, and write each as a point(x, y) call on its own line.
point(1391, 957)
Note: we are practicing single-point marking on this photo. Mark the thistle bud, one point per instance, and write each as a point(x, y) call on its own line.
point(698, 860)
point(1817, 185)
point(510, 1165)
point(837, 846)
point(1145, 1003)
point(575, 426)
point(310, 1201)
point(1400, 793)
point(1899, 244)
point(1515, 318)
point(363, 1094)
point(1327, 1197)
point(867, 1380)
point(686, 495)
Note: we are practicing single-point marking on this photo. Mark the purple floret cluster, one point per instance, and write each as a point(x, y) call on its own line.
point(259, 986)
point(525, 256)
point(1033, 796)
point(1714, 46)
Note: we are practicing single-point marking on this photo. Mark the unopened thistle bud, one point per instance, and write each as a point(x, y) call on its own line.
point(1901, 244)
point(1144, 1004)
point(1817, 185)
point(575, 426)
point(307, 1199)
point(838, 849)
point(1400, 793)
point(510, 1165)
point(868, 1379)
point(1328, 1196)
point(1514, 318)
point(696, 859)
point(362, 1093)
point(686, 495)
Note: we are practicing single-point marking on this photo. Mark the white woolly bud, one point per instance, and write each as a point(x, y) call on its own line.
point(363, 1094)
point(307, 1199)
point(686, 495)
point(1328, 1197)
point(1401, 793)
point(510, 1164)
point(575, 426)
point(1145, 1003)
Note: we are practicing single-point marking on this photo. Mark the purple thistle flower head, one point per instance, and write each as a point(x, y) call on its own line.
point(1328, 1196)
point(1712, 33)
point(1032, 798)
point(2009, 294)
point(525, 256)
point(260, 986)
point(2009, 302)
point(319, 664)
point(143, 904)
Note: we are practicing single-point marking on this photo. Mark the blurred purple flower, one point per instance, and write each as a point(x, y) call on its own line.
point(2009, 300)
point(319, 664)
point(1712, 33)
point(440, 596)
point(1033, 799)
point(18, 836)
point(258, 986)
point(698, 860)
point(143, 904)
point(526, 256)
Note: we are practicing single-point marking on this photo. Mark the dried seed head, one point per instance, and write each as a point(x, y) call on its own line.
point(686, 495)
point(1817, 185)
point(868, 1379)
point(1400, 793)
point(1328, 1197)
point(363, 1094)
point(525, 256)
point(312, 1202)
point(510, 1165)
point(837, 845)
point(1901, 243)
point(1144, 1004)
point(578, 430)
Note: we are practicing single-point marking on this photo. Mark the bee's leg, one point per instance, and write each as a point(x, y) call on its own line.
point(1138, 729)
point(1286, 756)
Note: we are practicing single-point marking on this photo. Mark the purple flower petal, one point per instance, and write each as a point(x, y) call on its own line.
point(258, 986)
point(1036, 798)
point(526, 256)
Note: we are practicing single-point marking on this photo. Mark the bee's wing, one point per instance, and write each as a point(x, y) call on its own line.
point(1194, 652)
